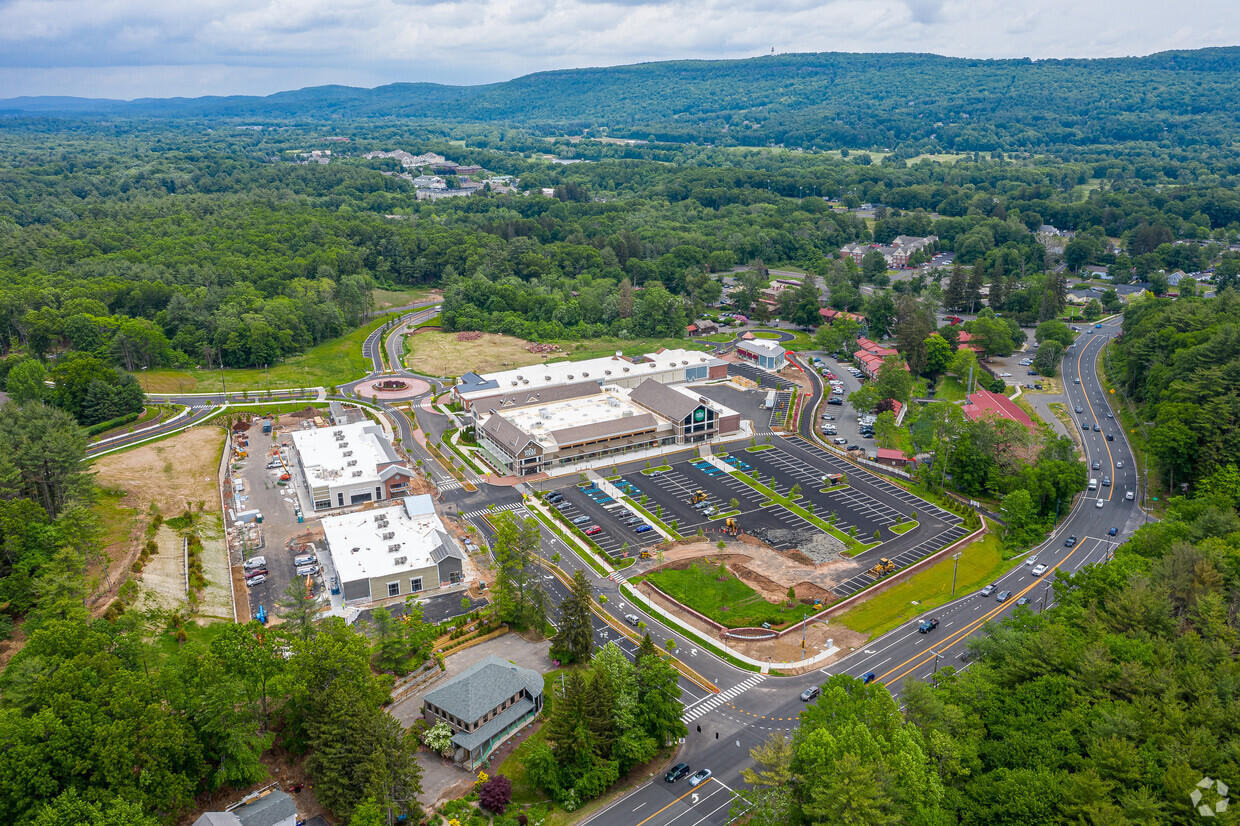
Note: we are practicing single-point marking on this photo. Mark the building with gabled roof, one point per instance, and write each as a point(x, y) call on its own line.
point(266, 807)
point(485, 705)
point(392, 552)
point(987, 405)
point(766, 354)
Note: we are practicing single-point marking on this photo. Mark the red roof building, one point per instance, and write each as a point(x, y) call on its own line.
point(986, 405)
point(893, 458)
point(829, 315)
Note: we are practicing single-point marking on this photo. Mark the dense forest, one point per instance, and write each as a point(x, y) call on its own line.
point(923, 103)
point(1108, 708)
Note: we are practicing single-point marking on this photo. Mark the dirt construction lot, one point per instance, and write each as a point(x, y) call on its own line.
point(441, 354)
point(174, 475)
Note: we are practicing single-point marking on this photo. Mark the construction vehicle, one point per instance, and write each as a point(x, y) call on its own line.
point(646, 554)
point(698, 496)
point(885, 566)
point(730, 527)
point(284, 477)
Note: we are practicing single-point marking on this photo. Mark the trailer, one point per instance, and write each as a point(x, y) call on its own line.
point(770, 400)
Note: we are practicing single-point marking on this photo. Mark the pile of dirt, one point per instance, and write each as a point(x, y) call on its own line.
point(543, 348)
point(468, 335)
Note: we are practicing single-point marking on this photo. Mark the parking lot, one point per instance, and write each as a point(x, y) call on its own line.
point(616, 536)
point(755, 374)
point(779, 411)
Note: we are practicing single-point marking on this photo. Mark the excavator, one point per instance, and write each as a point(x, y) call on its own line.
point(731, 527)
point(885, 566)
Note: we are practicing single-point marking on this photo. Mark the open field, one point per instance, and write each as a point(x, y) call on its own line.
point(173, 475)
point(726, 600)
point(949, 389)
point(331, 363)
point(385, 299)
point(440, 354)
point(980, 563)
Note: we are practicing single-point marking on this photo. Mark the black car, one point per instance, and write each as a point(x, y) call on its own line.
point(554, 497)
point(1002, 596)
point(1070, 541)
point(1110, 438)
point(928, 625)
point(676, 772)
point(835, 401)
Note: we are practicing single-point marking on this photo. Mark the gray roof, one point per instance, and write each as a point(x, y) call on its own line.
point(470, 740)
point(218, 819)
point(389, 452)
point(505, 433)
point(275, 807)
point(602, 430)
point(479, 689)
point(446, 549)
point(541, 395)
point(664, 400)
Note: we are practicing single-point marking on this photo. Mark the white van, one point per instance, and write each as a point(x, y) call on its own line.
point(1093, 484)
point(307, 570)
point(255, 562)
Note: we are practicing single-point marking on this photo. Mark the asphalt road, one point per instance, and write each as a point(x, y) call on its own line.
point(754, 708)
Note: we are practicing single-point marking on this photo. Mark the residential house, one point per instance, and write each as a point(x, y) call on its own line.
point(893, 458)
point(702, 327)
point(829, 315)
point(485, 705)
point(266, 807)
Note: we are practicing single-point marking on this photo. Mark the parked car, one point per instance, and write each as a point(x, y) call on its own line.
point(989, 589)
point(593, 529)
point(255, 562)
point(642, 529)
point(1002, 596)
point(581, 520)
point(928, 625)
point(1005, 375)
point(809, 693)
point(676, 772)
point(253, 572)
point(1026, 362)
point(699, 777)
point(257, 580)
point(1038, 570)
point(836, 400)
point(839, 440)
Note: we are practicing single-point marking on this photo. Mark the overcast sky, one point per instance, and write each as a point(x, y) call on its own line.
point(144, 48)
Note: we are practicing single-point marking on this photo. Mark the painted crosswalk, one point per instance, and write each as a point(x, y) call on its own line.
point(721, 698)
point(500, 509)
point(447, 484)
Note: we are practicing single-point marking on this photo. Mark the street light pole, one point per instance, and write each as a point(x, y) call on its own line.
point(955, 565)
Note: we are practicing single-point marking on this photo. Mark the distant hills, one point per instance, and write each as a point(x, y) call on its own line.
point(826, 99)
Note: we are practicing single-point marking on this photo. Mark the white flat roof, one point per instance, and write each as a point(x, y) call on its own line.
point(540, 421)
point(362, 548)
point(764, 346)
point(605, 369)
point(343, 455)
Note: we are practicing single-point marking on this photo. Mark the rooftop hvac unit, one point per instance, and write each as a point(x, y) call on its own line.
point(351, 463)
point(393, 548)
point(544, 412)
point(546, 378)
point(344, 444)
point(400, 560)
point(624, 414)
point(348, 453)
point(381, 517)
point(355, 550)
point(584, 375)
point(357, 473)
point(613, 402)
point(339, 434)
point(389, 535)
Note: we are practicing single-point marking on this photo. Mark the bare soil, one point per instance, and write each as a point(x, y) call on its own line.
point(283, 768)
point(176, 475)
point(441, 354)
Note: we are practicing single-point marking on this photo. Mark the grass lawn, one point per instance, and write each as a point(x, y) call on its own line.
point(331, 363)
point(981, 562)
point(400, 298)
point(756, 448)
point(440, 354)
point(950, 389)
point(767, 334)
point(200, 637)
point(730, 602)
point(904, 527)
point(718, 338)
point(801, 342)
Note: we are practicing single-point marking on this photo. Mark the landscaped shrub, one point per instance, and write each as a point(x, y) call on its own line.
point(495, 794)
point(438, 738)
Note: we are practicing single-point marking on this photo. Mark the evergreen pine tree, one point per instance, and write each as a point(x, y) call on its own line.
point(953, 296)
point(575, 638)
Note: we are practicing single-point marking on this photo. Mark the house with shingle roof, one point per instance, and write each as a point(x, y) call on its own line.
point(485, 705)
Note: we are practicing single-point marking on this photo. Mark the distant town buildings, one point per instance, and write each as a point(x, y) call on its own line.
point(896, 254)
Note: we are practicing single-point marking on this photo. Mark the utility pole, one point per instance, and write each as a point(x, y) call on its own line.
point(804, 619)
point(955, 565)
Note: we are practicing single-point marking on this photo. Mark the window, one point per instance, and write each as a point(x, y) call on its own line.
point(393, 589)
point(415, 584)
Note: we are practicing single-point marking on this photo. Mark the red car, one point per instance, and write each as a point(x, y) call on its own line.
point(831, 377)
point(593, 529)
point(253, 572)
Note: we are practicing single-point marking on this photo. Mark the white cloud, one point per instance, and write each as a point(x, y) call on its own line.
point(129, 48)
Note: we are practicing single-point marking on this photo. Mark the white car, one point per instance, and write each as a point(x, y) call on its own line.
point(256, 580)
point(699, 777)
point(1128, 496)
point(1119, 464)
point(1005, 375)
point(840, 441)
point(1026, 362)
point(1032, 560)
point(1101, 502)
point(1038, 570)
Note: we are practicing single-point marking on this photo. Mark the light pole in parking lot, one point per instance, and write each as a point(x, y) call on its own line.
point(955, 565)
